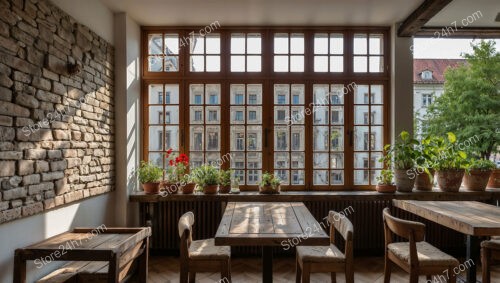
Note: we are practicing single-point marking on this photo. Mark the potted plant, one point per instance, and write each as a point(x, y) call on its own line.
point(269, 184)
point(402, 154)
point(494, 181)
point(384, 180)
point(477, 174)
point(206, 177)
point(187, 184)
point(224, 181)
point(177, 167)
point(149, 177)
point(424, 173)
point(449, 164)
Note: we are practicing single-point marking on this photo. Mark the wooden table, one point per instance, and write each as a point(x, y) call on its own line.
point(267, 224)
point(472, 218)
point(118, 246)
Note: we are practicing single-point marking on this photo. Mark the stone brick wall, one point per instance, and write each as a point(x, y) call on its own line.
point(56, 126)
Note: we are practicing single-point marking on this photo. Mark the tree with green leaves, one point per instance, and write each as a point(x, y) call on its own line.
point(470, 104)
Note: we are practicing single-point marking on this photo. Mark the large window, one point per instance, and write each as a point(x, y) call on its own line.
point(307, 104)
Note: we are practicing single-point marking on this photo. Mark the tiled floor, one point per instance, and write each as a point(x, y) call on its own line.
point(367, 270)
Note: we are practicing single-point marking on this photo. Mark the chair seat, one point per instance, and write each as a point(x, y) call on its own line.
point(493, 244)
point(206, 249)
point(427, 254)
point(320, 254)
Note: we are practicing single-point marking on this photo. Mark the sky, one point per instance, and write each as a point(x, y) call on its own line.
point(444, 48)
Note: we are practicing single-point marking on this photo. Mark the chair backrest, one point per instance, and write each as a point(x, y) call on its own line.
point(345, 228)
point(186, 233)
point(409, 230)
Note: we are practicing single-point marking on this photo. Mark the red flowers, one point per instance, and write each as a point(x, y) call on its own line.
point(181, 159)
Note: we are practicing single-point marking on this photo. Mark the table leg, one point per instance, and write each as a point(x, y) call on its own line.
point(472, 254)
point(19, 268)
point(267, 264)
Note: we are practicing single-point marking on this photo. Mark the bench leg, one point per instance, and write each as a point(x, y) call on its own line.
point(19, 268)
point(143, 262)
point(114, 269)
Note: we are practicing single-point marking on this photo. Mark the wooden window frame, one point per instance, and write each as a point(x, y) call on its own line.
point(268, 78)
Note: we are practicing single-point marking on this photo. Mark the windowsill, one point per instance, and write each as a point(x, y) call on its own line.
point(435, 194)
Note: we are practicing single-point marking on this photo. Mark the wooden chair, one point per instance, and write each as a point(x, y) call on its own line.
point(416, 257)
point(201, 255)
point(490, 253)
point(328, 258)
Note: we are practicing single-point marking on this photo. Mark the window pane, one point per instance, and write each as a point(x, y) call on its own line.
point(172, 94)
point(253, 43)
point(376, 64)
point(336, 64)
point(376, 44)
point(197, 64)
point(321, 43)
point(376, 116)
point(377, 94)
point(156, 114)
point(254, 63)
point(360, 64)
point(237, 43)
point(155, 44)
point(155, 94)
point(361, 95)
point(171, 63)
point(213, 63)
point(281, 63)
point(320, 177)
point(321, 63)
point(297, 44)
point(197, 45)
point(336, 44)
point(280, 44)
point(297, 63)
point(213, 44)
point(171, 44)
point(155, 63)
point(156, 158)
point(360, 44)
point(237, 63)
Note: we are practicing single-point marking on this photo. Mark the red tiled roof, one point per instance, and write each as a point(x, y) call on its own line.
point(436, 66)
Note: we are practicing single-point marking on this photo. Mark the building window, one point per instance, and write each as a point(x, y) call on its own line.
point(427, 99)
point(426, 75)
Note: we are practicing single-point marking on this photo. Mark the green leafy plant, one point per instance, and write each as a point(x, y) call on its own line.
point(403, 153)
point(481, 164)
point(269, 179)
point(225, 177)
point(205, 175)
point(385, 177)
point(149, 173)
point(448, 157)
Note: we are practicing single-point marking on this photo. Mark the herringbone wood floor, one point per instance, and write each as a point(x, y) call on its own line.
point(247, 270)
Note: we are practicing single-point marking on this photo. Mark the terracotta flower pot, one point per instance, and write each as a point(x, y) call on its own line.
point(151, 188)
point(384, 188)
point(188, 189)
point(476, 180)
point(403, 181)
point(450, 180)
point(224, 189)
point(424, 182)
point(170, 188)
point(494, 181)
point(269, 189)
point(210, 190)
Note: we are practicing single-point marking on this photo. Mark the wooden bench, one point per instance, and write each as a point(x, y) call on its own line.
point(112, 255)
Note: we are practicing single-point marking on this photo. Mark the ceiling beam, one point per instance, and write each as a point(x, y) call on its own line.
point(421, 16)
point(464, 32)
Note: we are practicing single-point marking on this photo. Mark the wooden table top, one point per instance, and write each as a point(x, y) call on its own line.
point(87, 243)
point(468, 217)
point(268, 224)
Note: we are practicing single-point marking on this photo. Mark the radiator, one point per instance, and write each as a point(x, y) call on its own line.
point(366, 217)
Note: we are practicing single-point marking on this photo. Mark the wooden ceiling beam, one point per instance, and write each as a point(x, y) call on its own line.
point(421, 16)
point(464, 32)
